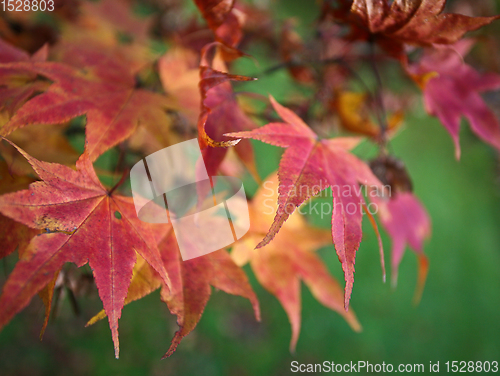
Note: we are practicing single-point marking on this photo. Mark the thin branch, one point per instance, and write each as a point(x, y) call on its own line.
point(379, 103)
point(120, 182)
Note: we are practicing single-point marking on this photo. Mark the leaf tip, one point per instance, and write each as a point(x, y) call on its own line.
point(256, 308)
point(273, 101)
point(423, 268)
point(220, 144)
point(96, 318)
point(116, 341)
point(353, 322)
point(394, 280)
point(357, 327)
point(294, 340)
point(117, 349)
point(347, 295)
point(263, 243)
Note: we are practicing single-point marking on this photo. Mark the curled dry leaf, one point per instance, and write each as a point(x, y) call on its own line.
point(211, 78)
point(414, 22)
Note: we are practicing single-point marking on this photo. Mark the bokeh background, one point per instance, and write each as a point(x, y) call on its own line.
point(458, 317)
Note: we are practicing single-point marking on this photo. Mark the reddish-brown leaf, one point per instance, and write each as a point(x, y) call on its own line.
point(214, 89)
point(416, 22)
point(14, 235)
point(223, 20)
point(87, 224)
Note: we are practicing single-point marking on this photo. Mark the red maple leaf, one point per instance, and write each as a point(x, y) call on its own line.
point(100, 83)
point(406, 222)
point(88, 223)
point(191, 283)
point(208, 83)
point(221, 114)
point(310, 165)
point(452, 90)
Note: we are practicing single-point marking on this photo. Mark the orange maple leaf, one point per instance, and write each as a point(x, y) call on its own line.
point(280, 265)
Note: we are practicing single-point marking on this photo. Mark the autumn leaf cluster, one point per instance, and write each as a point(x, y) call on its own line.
point(126, 79)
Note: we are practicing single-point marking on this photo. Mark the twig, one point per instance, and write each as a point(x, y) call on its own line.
point(379, 103)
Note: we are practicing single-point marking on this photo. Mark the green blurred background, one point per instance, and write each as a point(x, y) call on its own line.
point(458, 317)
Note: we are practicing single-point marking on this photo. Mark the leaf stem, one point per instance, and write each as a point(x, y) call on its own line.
point(120, 182)
point(379, 103)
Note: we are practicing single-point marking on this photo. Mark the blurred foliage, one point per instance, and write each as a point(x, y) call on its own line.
point(457, 318)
